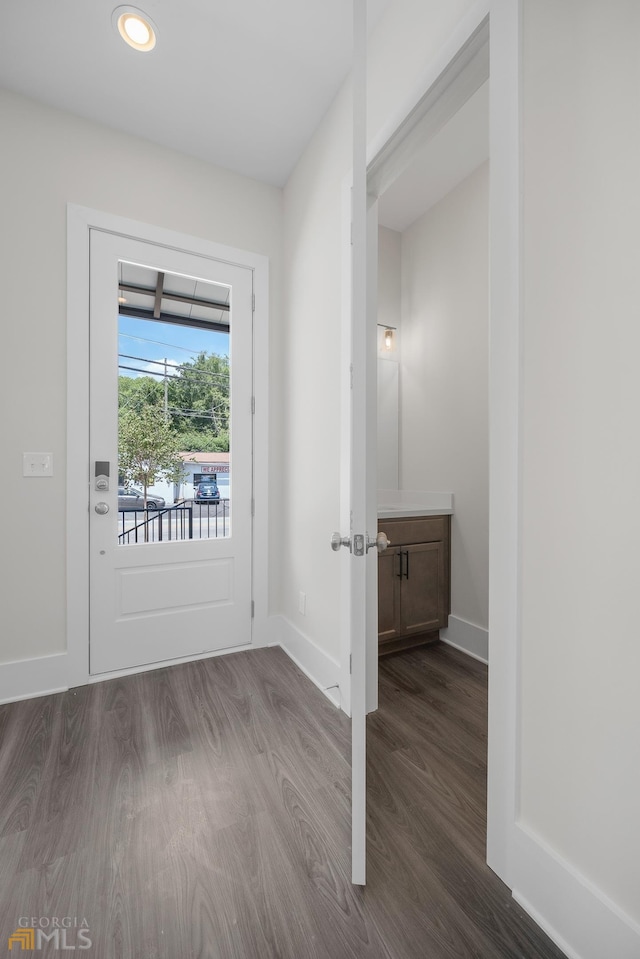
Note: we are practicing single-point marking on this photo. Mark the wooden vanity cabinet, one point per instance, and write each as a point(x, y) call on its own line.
point(413, 581)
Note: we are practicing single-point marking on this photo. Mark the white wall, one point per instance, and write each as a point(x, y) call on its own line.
point(580, 753)
point(444, 438)
point(408, 35)
point(53, 159)
point(389, 259)
point(389, 276)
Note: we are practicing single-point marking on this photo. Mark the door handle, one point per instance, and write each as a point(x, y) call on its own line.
point(359, 541)
point(337, 541)
point(101, 509)
point(406, 572)
point(380, 542)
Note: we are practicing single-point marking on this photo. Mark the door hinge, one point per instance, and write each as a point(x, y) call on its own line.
point(351, 375)
point(253, 608)
point(253, 506)
point(253, 303)
point(350, 663)
point(253, 404)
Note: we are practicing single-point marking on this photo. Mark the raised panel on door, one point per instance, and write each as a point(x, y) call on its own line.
point(423, 587)
point(388, 596)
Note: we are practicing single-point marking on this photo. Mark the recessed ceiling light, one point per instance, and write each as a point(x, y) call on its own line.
point(135, 28)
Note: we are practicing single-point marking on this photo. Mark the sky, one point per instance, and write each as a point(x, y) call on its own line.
point(147, 341)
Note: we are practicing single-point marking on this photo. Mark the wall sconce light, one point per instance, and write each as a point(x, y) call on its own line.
point(387, 339)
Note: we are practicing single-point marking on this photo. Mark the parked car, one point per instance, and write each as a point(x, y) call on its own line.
point(131, 498)
point(206, 493)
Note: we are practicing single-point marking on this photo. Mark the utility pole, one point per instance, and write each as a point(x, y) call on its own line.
point(166, 393)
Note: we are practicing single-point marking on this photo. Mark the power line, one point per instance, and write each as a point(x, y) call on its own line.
point(173, 346)
point(128, 402)
point(196, 414)
point(137, 369)
point(174, 366)
point(162, 373)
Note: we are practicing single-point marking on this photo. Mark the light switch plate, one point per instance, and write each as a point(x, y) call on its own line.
point(37, 464)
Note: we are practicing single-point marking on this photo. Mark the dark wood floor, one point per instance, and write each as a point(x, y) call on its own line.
point(203, 811)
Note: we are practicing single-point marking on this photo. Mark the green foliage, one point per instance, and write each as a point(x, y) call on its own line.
point(148, 448)
point(201, 393)
point(136, 394)
point(204, 442)
point(197, 402)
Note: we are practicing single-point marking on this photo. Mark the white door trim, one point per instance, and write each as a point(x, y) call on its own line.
point(80, 220)
point(505, 401)
point(505, 419)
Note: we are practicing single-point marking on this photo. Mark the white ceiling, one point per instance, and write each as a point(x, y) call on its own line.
point(448, 158)
point(240, 83)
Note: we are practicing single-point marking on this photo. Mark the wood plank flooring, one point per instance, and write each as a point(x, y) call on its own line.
point(202, 812)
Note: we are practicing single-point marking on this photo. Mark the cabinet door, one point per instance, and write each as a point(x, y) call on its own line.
point(388, 596)
point(424, 589)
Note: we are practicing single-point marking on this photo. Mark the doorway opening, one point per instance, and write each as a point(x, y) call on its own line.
point(429, 202)
point(433, 375)
point(433, 482)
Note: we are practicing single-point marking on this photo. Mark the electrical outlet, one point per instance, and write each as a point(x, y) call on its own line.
point(37, 464)
point(302, 603)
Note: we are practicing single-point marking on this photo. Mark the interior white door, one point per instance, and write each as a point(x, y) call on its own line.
point(155, 601)
point(363, 493)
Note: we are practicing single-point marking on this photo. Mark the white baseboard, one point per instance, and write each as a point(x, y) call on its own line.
point(317, 665)
point(27, 678)
point(573, 912)
point(467, 637)
point(40, 676)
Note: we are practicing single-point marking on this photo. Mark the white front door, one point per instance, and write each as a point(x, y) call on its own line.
point(173, 582)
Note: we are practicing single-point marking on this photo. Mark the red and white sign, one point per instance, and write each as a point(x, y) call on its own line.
point(215, 468)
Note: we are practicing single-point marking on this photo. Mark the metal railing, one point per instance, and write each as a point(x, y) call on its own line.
point(181, 521)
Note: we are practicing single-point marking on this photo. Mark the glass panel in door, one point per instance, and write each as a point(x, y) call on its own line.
point(174, 413)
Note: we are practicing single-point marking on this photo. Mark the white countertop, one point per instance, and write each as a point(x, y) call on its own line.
point(398, 503)
point(392, 512)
